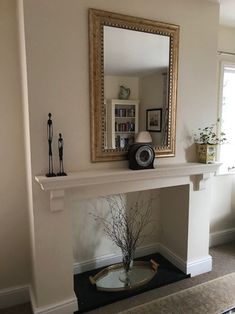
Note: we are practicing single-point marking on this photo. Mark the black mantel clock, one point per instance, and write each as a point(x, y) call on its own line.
point(141, 156)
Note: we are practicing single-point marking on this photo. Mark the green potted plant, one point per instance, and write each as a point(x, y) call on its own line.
point(207, 140)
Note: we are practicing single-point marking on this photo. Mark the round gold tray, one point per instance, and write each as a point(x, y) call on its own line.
point(109, 278)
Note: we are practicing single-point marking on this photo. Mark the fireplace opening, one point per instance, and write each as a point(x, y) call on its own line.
point(89, 298)
point(181, 232)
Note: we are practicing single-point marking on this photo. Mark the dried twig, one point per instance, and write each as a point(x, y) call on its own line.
point(125, 224)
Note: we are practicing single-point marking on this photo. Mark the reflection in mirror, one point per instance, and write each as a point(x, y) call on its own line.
point(133, 81)
point(141, 64)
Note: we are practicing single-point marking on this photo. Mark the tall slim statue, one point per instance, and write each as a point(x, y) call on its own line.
point(49, 138)
point(61, 151)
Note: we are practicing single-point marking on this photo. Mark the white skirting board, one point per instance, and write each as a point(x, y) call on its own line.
point(20, 294)
point(23, 294)
point(64, 307)
point(194, 268)
point(110, 259)
point(221, 237)
point(200, 266)
point(13, 296)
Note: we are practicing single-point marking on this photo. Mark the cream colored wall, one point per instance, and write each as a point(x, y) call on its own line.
point(14, 237)
point(188, 113)
point(226, 40)
point(223, 192)
point(223, 204)
point(57, 62)
point(151, 96)
point(112, 84)
point(58, 69)
point(58, 82)
point(100, 245)
point(174, 219)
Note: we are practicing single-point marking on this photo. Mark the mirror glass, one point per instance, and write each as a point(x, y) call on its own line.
point(139, 66)
point(133, 83)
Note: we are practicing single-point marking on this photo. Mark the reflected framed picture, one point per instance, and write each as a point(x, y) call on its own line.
point(154, 120)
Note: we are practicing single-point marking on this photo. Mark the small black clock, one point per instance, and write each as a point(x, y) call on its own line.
point(141, 156)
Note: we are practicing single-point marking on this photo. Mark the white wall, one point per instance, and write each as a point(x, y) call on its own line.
point(226, 37)
point(175, 224)
point(58, 69)
point(58, 77)
point(151, 96)
point(112, 84)
point(14, 237)
point(223, 204)
point(100, 245)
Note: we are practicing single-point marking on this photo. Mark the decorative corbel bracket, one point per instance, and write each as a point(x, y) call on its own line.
point(57, 200)
point(199, 181)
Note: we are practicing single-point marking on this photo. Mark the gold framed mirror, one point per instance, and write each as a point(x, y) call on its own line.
point(133, 83)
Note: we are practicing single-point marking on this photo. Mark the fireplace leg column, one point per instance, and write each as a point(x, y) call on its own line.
point(198, 259)
point(185, 227)
point(52, 259)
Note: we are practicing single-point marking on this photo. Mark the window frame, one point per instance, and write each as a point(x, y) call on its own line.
point(223, 62)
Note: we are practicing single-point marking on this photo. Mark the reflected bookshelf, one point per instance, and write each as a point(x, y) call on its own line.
point(122, 122)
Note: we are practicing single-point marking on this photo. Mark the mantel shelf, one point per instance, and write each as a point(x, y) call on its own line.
point(161, 176)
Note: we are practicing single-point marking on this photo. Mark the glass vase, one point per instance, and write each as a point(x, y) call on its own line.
point(127, 261)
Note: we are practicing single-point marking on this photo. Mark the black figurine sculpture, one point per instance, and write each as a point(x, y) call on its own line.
point(61, 148)
point(49, 138)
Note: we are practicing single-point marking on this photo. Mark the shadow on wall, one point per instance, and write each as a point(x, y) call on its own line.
point(223, 223)
point(223, 203)
point(89, 240)
point(144, 198)
point(189, 145)
point(190, 153)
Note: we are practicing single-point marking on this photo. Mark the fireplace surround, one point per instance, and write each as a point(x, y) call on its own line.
point(184, 203)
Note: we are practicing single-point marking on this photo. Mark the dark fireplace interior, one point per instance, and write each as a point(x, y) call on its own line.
point(89, 298)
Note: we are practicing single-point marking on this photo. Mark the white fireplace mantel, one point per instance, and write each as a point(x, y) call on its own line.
point(93, 183)
point(184, 215)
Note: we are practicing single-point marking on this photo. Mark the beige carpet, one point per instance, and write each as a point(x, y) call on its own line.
point(211, 297)
point(223, 264)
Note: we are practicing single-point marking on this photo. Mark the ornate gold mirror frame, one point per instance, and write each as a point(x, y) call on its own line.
point(97, 21)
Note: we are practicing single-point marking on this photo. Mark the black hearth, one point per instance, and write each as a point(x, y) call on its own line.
point(89, 298)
